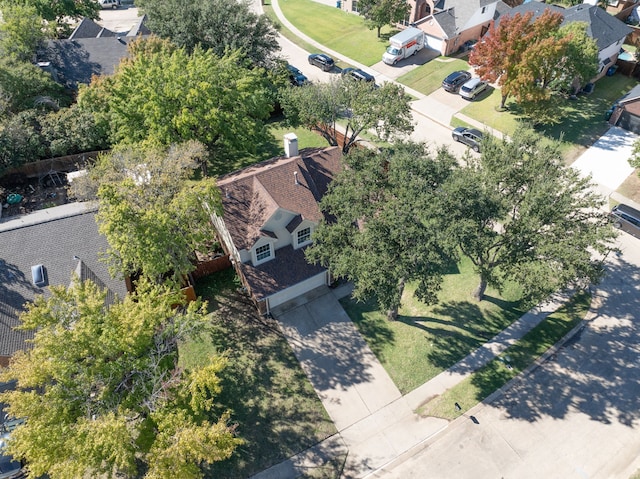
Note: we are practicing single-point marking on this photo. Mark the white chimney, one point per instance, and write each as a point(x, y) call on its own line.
point(290, 145)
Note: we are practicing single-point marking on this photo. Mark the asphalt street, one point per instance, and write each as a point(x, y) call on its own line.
point(576, 416)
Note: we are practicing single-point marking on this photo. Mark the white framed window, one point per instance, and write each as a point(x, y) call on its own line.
point(303, 236)
point(263, 252)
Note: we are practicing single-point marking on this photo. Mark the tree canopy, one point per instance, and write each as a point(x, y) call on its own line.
point(21, 30)
point(152, 213)
point(102, 391)
point(531, 58)
point(386, 223)
point(378, 13)
point(60, 14)
point(519, 214)
point(162, 95)
point(217, 25)
point(359, 105)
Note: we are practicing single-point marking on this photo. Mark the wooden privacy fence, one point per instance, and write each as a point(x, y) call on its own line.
point(205, 268)
point(59, 164)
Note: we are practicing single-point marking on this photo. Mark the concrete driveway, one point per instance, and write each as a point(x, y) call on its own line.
point(345, 373)
point(607, 159)
point(576, 416)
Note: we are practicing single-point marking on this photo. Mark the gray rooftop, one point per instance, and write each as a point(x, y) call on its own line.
point(605, 29)
point(453, 15)
point(52, 243)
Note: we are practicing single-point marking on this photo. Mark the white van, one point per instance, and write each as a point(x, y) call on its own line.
point(104, 4)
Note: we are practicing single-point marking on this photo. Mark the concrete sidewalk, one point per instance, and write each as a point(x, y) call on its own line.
point(376, 425)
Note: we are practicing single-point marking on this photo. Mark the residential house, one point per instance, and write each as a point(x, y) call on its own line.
point(608, 32)
point(626, 111)
point(90, 50)
point(270, 211)
point(448, 24)
point(65, 240)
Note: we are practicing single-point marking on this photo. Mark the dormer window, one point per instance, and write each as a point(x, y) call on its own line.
point(303, 236)
point(263, 252)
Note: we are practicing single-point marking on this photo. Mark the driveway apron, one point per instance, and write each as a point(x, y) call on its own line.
point(345, 373)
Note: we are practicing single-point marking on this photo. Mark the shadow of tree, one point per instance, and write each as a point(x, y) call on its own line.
point(277, 411)
point(373, 327)
point(596, 372)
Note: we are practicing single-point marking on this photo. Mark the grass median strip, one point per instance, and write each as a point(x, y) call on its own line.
point(479, 385)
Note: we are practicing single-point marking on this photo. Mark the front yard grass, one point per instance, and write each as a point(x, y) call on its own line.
point(338, 30)
point(583, 120)
point(277, 411)
point(428, 78)
point(425, 340)
point(496, 374)
point(631, 187)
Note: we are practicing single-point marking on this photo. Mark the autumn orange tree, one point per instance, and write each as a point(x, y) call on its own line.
point(532, 58)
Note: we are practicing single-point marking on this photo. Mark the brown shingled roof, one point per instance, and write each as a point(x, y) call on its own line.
point(250, 196)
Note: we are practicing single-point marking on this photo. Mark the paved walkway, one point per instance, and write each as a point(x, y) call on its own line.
point(375, 424)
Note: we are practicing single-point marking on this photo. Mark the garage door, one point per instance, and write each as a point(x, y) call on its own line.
point(434, 43)
point(297, 290)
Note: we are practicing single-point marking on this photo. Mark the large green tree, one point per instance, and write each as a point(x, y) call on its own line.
point(163, 95)
point(60, 14)
point(385, 223)
point(378, 13)
point(21, 30)
point(25, 86)
point(102, 391)
point(357, 105)
point(217, 25)
point(152, 213)
point(519, 214)
point(530, 59)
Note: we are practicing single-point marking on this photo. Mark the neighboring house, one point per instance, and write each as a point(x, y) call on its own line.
point(65, 242)
point(90, 50)
point(608, 32)
point(270, 211)
point(448, 24)
point(626, 111)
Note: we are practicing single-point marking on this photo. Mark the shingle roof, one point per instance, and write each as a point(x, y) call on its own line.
point(90, 50)
point(289, 267)
point(250, 196)
point(605, 29)
point(76, 61)
point(53, 244)
point(87, 28)
point(453, 15)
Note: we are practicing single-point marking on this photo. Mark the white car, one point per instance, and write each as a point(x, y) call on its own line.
point(471, 89)
point(104, 4)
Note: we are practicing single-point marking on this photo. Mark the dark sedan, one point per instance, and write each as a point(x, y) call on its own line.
point(469, 136)
point(322, 61)
point(357, 74)
point(454, 81)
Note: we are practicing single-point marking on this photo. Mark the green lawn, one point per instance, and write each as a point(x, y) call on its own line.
point(496, 374)
point(428, 78)
point(277, 411)
point(582, 122)
point(275, 145)
point(338, 30)
point(425, 340)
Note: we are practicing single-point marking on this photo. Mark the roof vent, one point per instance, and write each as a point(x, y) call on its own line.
point(290, 145)
point(295, 176)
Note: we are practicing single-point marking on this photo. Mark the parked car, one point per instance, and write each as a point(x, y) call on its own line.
point(322, 61)
point(472, 88)
point(627, 219)
point(358, 74)
point(469, 136)
point(296, 77)
point(104, 4)
point(9, 467)
point(455, 80)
